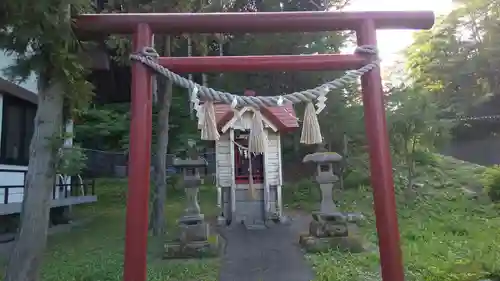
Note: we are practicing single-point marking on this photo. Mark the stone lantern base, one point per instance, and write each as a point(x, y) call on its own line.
point(329, 228)
point(195, 249)
point(194, 240)
point(333, 231)
point(349, 244)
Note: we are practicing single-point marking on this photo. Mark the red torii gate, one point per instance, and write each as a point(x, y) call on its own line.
point(365, 24)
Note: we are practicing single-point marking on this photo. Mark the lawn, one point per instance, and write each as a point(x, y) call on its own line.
point(446, 234)
point(94, 251)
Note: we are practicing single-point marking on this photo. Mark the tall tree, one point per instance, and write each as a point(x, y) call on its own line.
point(164, 92)
point(458, 59)
point(40, 34)
point(103, 127)
point(413, 125)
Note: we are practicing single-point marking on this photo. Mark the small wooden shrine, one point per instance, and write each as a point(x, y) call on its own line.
point(238, 203)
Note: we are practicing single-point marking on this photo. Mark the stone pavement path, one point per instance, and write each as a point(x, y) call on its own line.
point(271, 254)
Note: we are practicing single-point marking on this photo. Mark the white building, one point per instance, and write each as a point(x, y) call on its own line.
point(17, 113)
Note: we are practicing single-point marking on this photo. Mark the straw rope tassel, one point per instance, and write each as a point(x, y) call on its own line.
point(311, 132)
point(209, 127)
point(257, 140)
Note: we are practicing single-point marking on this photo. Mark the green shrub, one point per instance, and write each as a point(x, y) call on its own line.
point(302, 194)
point(70, 161)
point(354, 178)
point(425, 158)
point(175, 183)
point(490, 179)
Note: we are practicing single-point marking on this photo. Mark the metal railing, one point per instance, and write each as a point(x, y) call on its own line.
point(74, 189)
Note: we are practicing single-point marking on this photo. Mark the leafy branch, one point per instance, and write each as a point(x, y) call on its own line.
point(44, 42)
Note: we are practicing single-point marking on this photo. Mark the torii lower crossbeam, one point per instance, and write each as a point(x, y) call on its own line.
point(262, 63)
point(364, 23)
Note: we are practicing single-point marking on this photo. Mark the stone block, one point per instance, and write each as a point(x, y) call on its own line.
point(320, 230)
point(212, 247)
point(326, 178)
point(192, 182)
point(260, 225)
point(244, 194)
point(189, 163)
point(351, 244)
point(356, 218)
point(249, 211)
point(194, 232)
point(335, 217)
point(191, 219)
point(221, 221)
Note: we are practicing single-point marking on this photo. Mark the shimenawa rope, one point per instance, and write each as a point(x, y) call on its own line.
point(311, 133)
point(148, 56)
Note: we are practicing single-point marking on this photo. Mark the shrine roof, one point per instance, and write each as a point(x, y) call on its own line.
point(283, 117)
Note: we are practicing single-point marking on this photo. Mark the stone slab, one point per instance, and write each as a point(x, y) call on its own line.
point(191, 219)
point(194, 250)
point(318, 229)
point(352, 244)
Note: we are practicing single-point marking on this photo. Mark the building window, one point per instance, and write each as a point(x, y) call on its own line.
point(242, 162)
point(17, 129)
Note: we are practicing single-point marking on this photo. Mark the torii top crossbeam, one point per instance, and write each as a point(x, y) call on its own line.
point(174, 23)
point(251, 22)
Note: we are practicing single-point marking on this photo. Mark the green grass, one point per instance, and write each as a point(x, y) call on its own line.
point(446, 235)
point(94, 252)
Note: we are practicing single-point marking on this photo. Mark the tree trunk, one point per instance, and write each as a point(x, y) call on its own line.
point(25, 260)
point(157, 220)
point(411, 164)
point(343, 163)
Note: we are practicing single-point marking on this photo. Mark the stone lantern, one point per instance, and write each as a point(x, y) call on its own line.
point(329, 227)
point(325, 177)
point(192, 181)
point(194, 232)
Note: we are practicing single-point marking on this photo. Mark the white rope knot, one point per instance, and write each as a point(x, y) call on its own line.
point(280, 101)
point(234, 103)
point(150, 52)
point(366, 50)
